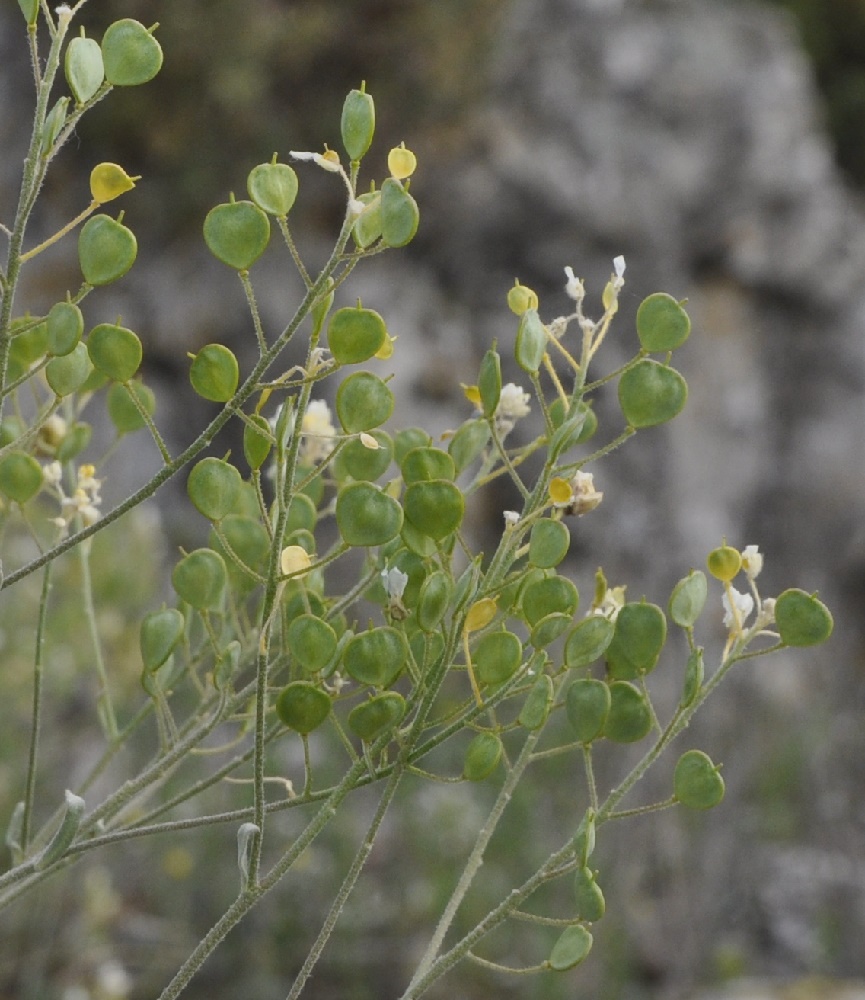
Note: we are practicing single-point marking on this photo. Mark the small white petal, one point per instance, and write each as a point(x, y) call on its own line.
point(619, 266)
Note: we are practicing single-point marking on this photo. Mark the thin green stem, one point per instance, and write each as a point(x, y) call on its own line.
point(104, 702)
point(36, 716)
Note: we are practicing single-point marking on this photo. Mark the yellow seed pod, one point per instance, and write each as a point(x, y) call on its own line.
point(472, 393)
point(386, 349)
point(610, 298)
point(294, 559)
point(560, 490)
point(521, 298)
point(108, 181)
point(481, 613)
point(724, 562)
point(401, 162)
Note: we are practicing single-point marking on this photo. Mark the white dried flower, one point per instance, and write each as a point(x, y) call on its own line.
point(513, 404)
point(752, 561)
point(574, 288)
point(737, 612)
point(318, 432)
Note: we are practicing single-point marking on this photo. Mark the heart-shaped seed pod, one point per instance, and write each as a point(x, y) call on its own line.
point(114, 351)
point(311, 642)
point(651, 393)
point(65, 325)
point(130, 53)
point(355, 334)
point(639, 637)
point(531, 342)
point(587, 705)
point(20, 476)
point(273, 187)
point(433, 600)
point(106, 250)
point(468, 443)
point(214, 488)
point(549, 628)
point(696, 781)
point(108, 181)
point(357, 124)
point(400, 215)
point(408, 439)
point(536, 707)
point(496, 657)
point(549, 595)
point(662, 323)
point(159, 634)
point(572, 947)
point(688, 599)
point(591, 904)
point(199, 579)
point(630, 717)
point(521, 298)
point(376, 657)
point(434, 508)
point(69, 373)
point(548, 543)
point(237, 233)
point(123, 412)
point(366, 457)
point(303, 706)
point(366, 516)
point(363, 402)
point(214, 373)
point(802, 619)
point(425, 464)
point(83, 67)
point(377, 716)
point(482, 756)
point(724, 562)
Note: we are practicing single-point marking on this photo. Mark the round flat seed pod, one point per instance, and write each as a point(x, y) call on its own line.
point(552, 594)
point(114, 351)
point(355, 335)
point(76, 440)
point(688, 599)
point(468, 443)
point(425, 463)
point(357, 124)
point(65, 326)
point(587, 705)
point(106, 250)
point(311, 642)
point(536, 707)
point(359, 460)
point(365, 515)
point(531, 342)
point(363, 402)
point(250, 543)
point(651, 393)
point(548, 543)
point(433, 600)
point(123, 412)
point(724, 562)
point(434, 508)
point(302, 706)
point(83, 67)
point(199, 579)
point(69, 373)
point(20, 476)
point(802, 619)
point(497, 657)
point(406, 440)
point(400, 215)
point(482, 756)
point(638, 638)
point(257, 440)
point(630, 718)
point(662, 323)
point(377, 716)
point(214, 373)
point(159, 634)
point(591, 904)
point(549, 628)
point(696, 781)
point(367, 228)
point(130, 54)
point(572, 947)
point(273, 187)
point(376, 657)
point(214, 488)
point(237, 233)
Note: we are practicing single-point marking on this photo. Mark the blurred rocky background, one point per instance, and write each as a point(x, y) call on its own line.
point(718, 145)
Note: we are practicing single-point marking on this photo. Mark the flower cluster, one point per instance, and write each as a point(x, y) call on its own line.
point(85, 499)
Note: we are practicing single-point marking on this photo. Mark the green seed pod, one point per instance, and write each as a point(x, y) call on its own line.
point(69, 373)
point(639, 637)
point(54, 122)
point(496, 657)
point(115, 351)
point(587, 705)
point(662, 324)
point(131, 54)
point(158, 636)
point(199, 579)
point(696, 781)
point(237, 233)
point(531, 342)
point(435, 596)
point(302, 514)
point(572, 947)
point(434, 508)
point(357, 124)
point(363, 402)
point(250, 543)
point(358, 460)
point(425, 464)
point(802, 620)
point(75, 441)
point(123, 412)
point(65, 325)
point(273, 187)
point(688, 599)
point(367, 227)
point(20, 476)
point(536, 707)
point(399, 214)
point(214, 373)
point(573, 430)
point(62, 839)
point(549, 628)
point(257, 440)
point(377, 716)
point(84, 69)
point(482, 756)
point(724, 562)
point(303, 707)
point(548, 595)
point(406, 440)
point(11, 429)
point(490, 382)
point(468, 443)
point(651, 393)
point(630, 718)
point(548, 543)
point(30, 10)
point(106, 250)
point(365, 515)
point(376, 657)
point(591, 904)
point(312, 642)
point(693, 677)
point(584, 838)
point(213, 487)
point(355, 334)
